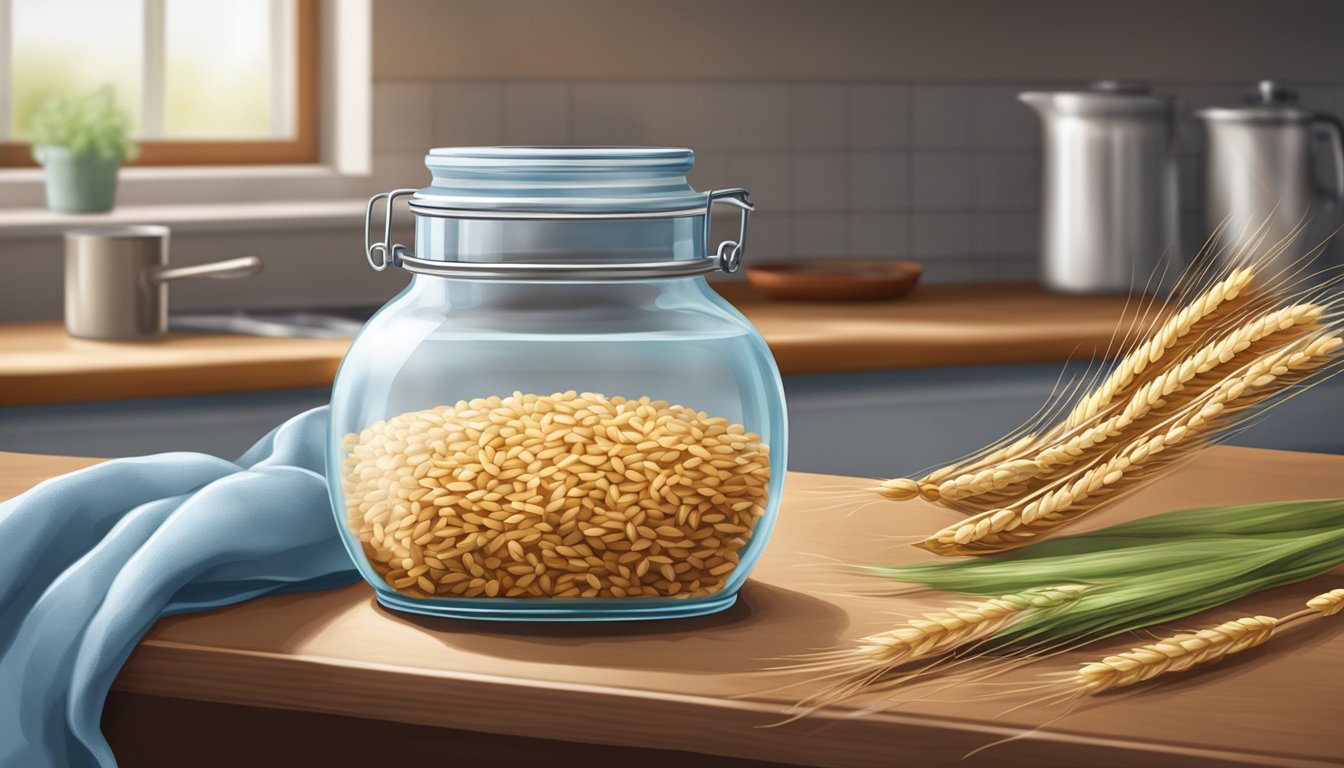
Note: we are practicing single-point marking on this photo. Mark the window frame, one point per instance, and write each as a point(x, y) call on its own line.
point(304, 147)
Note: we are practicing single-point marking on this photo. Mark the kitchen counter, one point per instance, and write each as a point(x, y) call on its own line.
point(331, 678)
point(936, 326)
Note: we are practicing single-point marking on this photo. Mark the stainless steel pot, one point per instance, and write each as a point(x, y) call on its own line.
point(1108, 208)
point(1262, 177)
point(116, 281)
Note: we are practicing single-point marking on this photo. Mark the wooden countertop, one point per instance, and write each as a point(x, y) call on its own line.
point(697, 685)
point(937, 325)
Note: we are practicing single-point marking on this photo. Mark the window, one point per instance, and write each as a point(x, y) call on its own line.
point(204, 82)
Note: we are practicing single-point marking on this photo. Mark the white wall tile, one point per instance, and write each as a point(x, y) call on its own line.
point(1006, 234)
point(935, 235)
point(879, 180)
point(736, 115)
point(879, 116)
point(819, 235)
point(767, 175)
point(1007, 180)
point(1000, 121)
point(468, 114)
point(403, 116)
point(879, 235)
point(940, 180)
point(940, 116)
point(820, 181)
point(536, 113)
point(635, 114)
point(819, 116)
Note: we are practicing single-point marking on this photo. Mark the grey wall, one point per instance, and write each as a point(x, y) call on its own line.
point(884, 128)
point(863, 127)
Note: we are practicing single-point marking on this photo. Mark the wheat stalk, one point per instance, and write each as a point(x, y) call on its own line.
point(1190, 322)
point(1014, 525)
point(872, 657)
point(1190, 649)
point(1291, 321)
point(1176, 654)
point(1010, 465)
point(902, 488)
point(1241, 344)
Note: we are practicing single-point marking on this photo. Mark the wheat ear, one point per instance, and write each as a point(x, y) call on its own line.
point(1327, 604)
point(872, 657)
point(903, 488)
point(1191, 321)
point(1183, 651)
point(1013, 526)
point(1290, 321)
point(1004, 464)
point(1176, 654)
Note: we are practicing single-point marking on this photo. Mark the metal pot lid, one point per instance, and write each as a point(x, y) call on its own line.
point(561, 181)
point(1267, 102)
point(1104, 97)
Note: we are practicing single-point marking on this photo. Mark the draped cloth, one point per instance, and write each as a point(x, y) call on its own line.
point(90, 560)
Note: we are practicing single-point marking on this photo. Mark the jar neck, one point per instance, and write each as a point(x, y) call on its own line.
point(584, 241)
point(460, 294)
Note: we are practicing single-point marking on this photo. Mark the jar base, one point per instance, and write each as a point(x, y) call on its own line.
point(511, 610)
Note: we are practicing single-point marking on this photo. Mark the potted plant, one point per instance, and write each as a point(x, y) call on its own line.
point(81, 141)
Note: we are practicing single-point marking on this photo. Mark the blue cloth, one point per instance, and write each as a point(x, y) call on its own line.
point(89, 561)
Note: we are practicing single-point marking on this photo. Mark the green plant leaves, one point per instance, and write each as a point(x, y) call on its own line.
point(1152, 570)
point(88, 124)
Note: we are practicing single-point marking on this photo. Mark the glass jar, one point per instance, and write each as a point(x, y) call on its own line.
point(558, 418)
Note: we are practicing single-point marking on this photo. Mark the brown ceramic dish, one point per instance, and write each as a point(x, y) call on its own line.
point(836, 279)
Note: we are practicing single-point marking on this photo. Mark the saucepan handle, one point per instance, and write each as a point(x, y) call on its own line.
point(1336, 134)
point(241, 267)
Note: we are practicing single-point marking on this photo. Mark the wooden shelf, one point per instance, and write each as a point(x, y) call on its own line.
point(935, 326)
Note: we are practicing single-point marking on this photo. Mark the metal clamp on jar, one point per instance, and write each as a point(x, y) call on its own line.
point(558, 419)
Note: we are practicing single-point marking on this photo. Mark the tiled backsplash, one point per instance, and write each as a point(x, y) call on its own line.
point(944, 173)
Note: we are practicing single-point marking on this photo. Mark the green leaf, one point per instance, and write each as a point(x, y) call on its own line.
point(88, 124)
point(1152, 570)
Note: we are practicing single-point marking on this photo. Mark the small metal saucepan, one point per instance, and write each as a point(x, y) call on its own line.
point(116, 281)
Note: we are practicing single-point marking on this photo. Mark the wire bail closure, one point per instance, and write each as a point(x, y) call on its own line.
point(730, 252)
point(387, 251)
point(727, 258)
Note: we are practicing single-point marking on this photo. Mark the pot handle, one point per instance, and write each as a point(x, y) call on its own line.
point(1336, 129)
point(219, 270)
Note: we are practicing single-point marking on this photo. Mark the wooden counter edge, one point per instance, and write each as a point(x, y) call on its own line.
point(610, 715)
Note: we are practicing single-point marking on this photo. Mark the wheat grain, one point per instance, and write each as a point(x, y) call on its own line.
point(1176, 654)
point(565, 495)
point(1012, 526)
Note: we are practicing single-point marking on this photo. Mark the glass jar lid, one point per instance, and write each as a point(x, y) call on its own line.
point(545, 182)
point(564, 183)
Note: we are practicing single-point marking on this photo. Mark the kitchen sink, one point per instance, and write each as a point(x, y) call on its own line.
point(331, 323)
